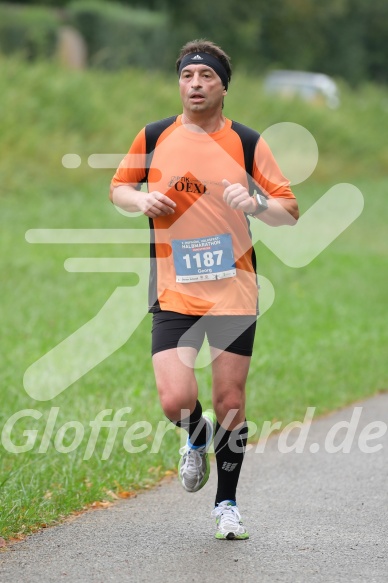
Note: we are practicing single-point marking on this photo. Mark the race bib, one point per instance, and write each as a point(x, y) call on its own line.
point(203, 259)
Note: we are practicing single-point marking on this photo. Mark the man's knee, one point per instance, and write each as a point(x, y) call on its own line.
point(177, 401)
point(228, 402)
point(176, 409)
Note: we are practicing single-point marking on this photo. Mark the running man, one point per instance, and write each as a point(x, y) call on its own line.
point(206, 176)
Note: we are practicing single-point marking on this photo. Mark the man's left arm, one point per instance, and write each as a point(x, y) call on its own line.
point(276, 204)
point(278, 211)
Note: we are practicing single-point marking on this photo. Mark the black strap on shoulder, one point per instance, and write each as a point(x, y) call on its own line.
point(152, 133)
point(249, 139)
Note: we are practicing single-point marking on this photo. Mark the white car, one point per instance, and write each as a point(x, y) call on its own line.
point(312, 87)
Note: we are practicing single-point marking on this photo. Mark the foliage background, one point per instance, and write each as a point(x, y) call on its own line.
point(343, 38)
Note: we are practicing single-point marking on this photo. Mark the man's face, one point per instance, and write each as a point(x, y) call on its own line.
point(200, 88)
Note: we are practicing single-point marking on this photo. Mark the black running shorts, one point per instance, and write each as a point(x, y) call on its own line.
point(231, 333)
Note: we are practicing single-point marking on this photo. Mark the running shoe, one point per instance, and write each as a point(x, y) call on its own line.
point(229, 523)
point(194, 466)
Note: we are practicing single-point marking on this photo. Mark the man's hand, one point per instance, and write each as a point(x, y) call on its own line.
point(152, 204)
point(155, 204)
point(281, 211)
point(238, 198)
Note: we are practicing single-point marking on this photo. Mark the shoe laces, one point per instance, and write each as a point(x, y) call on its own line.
point(228, 515)
point(192, 459)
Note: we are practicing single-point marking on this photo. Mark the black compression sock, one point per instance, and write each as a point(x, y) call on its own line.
point(195, 425)
point(229, 447)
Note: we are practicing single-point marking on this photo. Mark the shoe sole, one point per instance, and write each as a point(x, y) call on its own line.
point(211, 416)
point(232, 536)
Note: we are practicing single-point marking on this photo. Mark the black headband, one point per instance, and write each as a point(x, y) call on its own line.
point(206, 59)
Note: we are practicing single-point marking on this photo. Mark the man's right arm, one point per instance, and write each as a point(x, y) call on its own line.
point(124, 192)
point(153, 204)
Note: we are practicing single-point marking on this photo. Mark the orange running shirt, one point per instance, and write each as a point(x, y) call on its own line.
point(188, 167)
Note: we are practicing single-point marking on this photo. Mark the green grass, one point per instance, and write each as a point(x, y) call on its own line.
point(321, 344)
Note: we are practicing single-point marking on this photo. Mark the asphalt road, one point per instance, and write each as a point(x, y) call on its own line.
point(316, 516)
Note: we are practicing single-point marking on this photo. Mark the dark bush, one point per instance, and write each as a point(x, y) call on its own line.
point(31, 31)
point(118, 36)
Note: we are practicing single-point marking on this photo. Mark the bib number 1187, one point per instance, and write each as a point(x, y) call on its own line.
point(206, 259)
point(203, 259)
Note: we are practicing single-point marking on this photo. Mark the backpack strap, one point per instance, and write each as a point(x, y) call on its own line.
point(152, 133)
point(249, 139)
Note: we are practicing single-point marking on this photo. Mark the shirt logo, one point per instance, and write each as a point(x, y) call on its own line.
point(188, 184)
point(197, 58)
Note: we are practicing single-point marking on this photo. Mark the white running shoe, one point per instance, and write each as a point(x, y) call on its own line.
point(194, 467)
point(229, 523)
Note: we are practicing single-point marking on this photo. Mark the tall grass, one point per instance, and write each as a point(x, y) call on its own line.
point(322, 343)
point(51, 112)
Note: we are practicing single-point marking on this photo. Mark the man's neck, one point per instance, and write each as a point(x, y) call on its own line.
point(208, 124)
